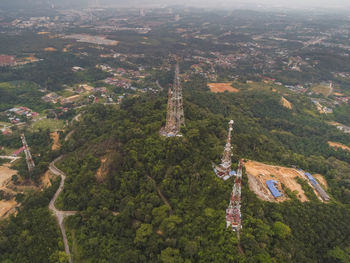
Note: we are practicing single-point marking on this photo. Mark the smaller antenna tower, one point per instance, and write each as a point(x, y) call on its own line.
point(29, 159)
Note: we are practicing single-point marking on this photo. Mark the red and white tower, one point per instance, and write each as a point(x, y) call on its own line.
point(223, 170)
point(233, 212)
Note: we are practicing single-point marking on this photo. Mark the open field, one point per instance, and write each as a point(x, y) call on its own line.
point(286, 103)
point(323, 89)
point(53, 125)
point(338, 145)
point(259, 173)
point(222, 87)
point(66, 93)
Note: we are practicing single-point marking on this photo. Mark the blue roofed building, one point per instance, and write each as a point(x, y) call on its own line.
point(272, 187)
point(317, 186)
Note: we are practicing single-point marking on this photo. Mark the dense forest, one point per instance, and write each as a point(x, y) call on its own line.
point(157, 200)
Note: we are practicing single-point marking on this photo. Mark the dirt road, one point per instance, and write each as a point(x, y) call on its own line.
point(60, 215)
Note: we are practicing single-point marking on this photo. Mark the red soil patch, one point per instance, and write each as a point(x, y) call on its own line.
point(338, 145)
point(55, 137)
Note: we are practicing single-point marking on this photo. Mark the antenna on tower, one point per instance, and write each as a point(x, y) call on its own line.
point(223, 170)
point(175, 112)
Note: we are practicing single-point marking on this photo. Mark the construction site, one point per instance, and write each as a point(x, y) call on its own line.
point(8, 189)
point(7, 204)
point(175, 118)
point(266, 182)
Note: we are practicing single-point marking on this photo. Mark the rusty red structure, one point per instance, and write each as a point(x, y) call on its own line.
point(233, 212)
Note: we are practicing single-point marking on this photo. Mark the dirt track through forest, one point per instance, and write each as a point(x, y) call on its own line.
point(60, 215)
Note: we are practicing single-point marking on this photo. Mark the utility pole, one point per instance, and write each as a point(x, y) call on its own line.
point(29, 159)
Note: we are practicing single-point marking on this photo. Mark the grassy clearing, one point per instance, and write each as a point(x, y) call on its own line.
point(260, 86)
point(321, 89)
point(51, 124)
point(66, 93)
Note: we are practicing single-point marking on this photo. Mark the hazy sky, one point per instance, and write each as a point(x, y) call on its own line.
point(299, 4)
point(342, 5)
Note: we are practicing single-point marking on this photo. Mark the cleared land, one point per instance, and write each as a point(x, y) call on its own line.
point(6, 173)
point(338, 145)
point(286, 103)
point(258, 173)
point(51, 124)
point(50, 49)
point(222, 87)
point(99, 40)
point(333, 123)
point(45, 179)
point(56, 144)
point(7, 208)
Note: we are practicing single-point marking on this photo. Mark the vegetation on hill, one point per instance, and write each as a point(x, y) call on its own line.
point(161, 202)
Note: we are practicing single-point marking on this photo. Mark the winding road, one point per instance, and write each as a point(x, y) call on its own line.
point(60, 215)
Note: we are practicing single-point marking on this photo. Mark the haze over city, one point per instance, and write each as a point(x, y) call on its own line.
point(314, 5)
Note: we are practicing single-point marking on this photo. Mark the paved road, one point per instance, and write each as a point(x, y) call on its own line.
point(60, 215)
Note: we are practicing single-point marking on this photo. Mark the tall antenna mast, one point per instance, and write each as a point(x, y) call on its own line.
point(223, 170)
point(175, 112)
